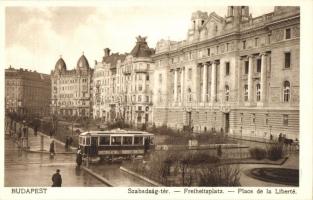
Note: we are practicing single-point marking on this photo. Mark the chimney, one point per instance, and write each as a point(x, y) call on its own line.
point(106, 52)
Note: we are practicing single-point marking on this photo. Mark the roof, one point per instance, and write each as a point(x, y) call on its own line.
point(82, 62)
point(141, 48)
point(115, 131)
point(60, 64)
point(113, 58)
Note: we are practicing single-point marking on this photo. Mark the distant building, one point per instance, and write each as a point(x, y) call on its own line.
point(122, 85)
point(236, 74)
point(27, 92)
point(71, 89)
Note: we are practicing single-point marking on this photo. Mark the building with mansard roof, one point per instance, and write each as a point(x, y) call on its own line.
point(236, 74)
point(122, 85)
point(27, 92)
point(71, 89)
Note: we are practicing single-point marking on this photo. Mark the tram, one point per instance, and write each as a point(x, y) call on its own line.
point(115, 143)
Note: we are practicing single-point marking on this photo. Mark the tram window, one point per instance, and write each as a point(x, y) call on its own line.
point(151, 140)
point(87, 141)
point(127, 140)
point(105, 140)
point(138, 140)
point(116, 140)
point(80, 141)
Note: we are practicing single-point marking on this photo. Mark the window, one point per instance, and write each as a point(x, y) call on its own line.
point(139, 77)
point(140, 87)
point(227, 46)
point(189, 95)
point(288, 34)
point(226, 92)
point(209, 51)
point(244, 44)
point(246, 92)
point(285, 120)
point(147, 98)
point(138, 140)
point(258, 92)
point(287, 60)
point(147, 77)
point(256, 41)
point(258, 65)
point(246, 67)
point(139, 98)
point(117, 140)
point(241, 118)
point(286, 91)
point(139, 108)
point(189, 73)
point(104, 140)
point(266, 119)
point(227, 68)
point(160, 78)
point(253, 118)
point(127, 140)
point(217, 47)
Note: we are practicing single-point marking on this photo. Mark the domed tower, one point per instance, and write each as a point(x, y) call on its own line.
point(82, 63)
point(60, 65)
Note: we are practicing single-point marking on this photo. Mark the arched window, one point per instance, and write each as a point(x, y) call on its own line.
point(258, 92)
point(226, 92)
point(286, 91)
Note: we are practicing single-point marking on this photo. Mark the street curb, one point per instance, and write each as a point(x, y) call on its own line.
point(57, 141)
point(98, 176)
point(141, 177)
point(256, 163)
point(47, 152)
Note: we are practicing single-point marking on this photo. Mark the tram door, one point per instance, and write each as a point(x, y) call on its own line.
point(94, 146)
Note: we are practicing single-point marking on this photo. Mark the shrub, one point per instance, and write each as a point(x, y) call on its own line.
point(275, 151)
point(257, 153)
point(220, 176)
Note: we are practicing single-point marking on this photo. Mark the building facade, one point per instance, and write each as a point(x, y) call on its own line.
point(235, 74)
point(71, 90)
point(122, 85)
point(27, 92)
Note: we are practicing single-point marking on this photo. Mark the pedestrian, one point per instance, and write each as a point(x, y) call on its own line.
point(79, 158)
point(57, 179)
point(70, 141)
point(52, 150)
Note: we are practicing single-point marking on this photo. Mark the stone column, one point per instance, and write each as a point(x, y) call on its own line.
point(263, 76)
point(222, 84)
point(175, 85)
point(205, 83)
point(213, 82)
point(182, 84)
point(250, 81)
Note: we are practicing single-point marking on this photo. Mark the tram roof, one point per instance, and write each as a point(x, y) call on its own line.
point(115, 131)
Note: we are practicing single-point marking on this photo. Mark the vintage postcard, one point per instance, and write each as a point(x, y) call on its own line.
point(156, 100)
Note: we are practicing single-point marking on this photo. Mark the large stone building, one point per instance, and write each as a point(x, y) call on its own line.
point(27, 92)
point(72, 89)
point(122, 85)
point(236, 74)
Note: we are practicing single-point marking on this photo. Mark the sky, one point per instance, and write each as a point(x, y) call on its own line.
point(35, 37)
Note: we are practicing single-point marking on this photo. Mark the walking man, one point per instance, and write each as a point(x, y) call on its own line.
point(57, 179)
point(52, 151)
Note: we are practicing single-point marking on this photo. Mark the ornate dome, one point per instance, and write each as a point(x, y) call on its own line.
point(60, 64)
point(82, 62)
